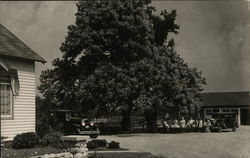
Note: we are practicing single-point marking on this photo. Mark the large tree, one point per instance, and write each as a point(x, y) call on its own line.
point(117, 58)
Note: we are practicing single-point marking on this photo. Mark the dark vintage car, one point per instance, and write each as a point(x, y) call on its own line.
point(225, 120)
point(74, 124)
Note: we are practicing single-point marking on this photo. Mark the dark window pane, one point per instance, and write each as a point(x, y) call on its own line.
point(5, 96)
point(216, 110)
point(234, 111)
point(208, 111)
point(225, 110)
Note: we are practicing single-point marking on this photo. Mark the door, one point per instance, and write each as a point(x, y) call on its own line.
point(244, 116)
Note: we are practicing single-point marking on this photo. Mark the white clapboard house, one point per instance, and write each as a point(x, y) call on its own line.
point(17, 85)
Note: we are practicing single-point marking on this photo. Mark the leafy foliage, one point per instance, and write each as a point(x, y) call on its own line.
point(25, 140)
point(91, 145)
point(42, 117)
point(44, 120)
point(100, 142)
point(52, 138)
point(114, 145)
point(117, 58)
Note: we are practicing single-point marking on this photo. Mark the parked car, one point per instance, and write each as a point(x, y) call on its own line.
point(224, 120)
point(75, 124)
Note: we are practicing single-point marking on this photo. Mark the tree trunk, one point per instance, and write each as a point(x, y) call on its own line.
point(126, 120)
point(151, 118)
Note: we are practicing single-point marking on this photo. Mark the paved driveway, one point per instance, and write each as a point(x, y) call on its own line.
point(190, 145)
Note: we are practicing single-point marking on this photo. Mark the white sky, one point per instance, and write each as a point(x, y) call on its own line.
point(214, 36)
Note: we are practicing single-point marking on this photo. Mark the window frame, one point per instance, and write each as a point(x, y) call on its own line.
point(10, 116)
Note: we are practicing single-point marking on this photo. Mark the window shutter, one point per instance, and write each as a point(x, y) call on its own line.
point(14, 82)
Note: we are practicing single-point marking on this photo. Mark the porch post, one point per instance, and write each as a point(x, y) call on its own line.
point(239, 121)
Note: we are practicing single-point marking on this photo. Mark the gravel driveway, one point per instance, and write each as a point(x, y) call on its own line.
point(189, 145)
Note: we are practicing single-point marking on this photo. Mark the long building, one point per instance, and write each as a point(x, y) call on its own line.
point(237, 102)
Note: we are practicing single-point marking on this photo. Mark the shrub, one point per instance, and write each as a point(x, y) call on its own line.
point(100, 142)
point(91, 145)
point(24, 140)
point(53, 139)
point(63, 145)
point(114, 145)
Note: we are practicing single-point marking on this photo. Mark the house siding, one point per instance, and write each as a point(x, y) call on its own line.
point(23, 107)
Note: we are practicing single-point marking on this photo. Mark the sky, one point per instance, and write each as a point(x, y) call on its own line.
point(214, 36)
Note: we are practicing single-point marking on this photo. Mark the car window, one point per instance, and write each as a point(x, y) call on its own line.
point(86, 121)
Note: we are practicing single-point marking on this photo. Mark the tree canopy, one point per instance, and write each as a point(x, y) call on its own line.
point(117, 57)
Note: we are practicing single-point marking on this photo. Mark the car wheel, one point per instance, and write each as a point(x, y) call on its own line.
point(93, 135)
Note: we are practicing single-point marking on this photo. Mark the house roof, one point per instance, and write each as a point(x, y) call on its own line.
point(10, 45)
point(226, 98)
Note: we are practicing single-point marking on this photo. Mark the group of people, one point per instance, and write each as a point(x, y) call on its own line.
point(190, 123)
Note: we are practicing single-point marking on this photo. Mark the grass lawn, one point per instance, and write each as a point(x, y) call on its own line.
point(126, 155)
point(24, 153)
point(107, 149)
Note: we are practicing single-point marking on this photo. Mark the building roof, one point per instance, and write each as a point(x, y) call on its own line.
point(11, 46)
point(226, 98)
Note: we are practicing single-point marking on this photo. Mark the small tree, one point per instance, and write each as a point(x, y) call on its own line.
point(45, 120)
point(42, 122)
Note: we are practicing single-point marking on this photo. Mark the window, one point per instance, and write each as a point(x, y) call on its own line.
point(6, 97)
point(235, 111)
point(208, 111)
point(225, 110)
point(216, 110)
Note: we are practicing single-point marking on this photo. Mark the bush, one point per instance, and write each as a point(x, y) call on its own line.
point(24, 140)
point(114, 145)
point(44, 120)
point(100, 142)
point(53, 139)
point(91, 145)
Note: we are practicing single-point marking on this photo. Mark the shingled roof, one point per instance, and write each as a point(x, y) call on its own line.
point(10, 45)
